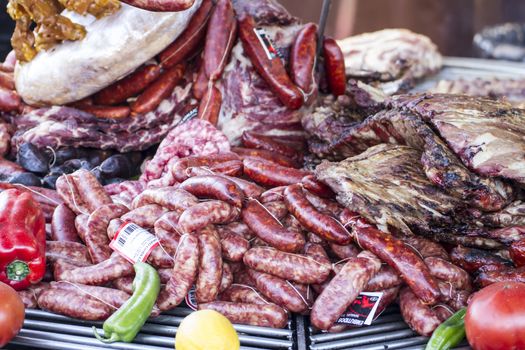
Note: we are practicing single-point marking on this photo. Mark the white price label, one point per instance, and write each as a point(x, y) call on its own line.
point(133, 242)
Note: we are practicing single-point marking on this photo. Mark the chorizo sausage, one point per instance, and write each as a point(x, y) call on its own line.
point(161, 6)
point(69, 251)
point(508, 274)
point(81, 225)
point(266, 155)
point(271, 69)
point(210, 268)
point(90, 190)
point(269, 229)
point(107, 112)
point(385, 278)
point(63, 225)
point(216, 187)
point(207, 213)
point(210, 105)
point(200, 83)
point(258, 141)
point(145, 216)
point(269, 315)
point(343, 251)
point(425, 247)
point(9, 101)
point(288, 266)
point(419, 317)
point(179, 167)
point(183, 274)
point(448, 272)
point(174, 199)
point(239, 228)
point(334, 62)
point(111, 296)
point(317, 252)
point(471, 259)
point(233, 246)
point(99, 274)
point(322, 225)
point(239, 293)
point(271, 174)
point(311, 184)
point(273, 194)
point(302, 58)
point(68, 192)
point(227, 277)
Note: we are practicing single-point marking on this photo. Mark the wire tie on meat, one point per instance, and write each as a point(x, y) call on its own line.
point(91, 295)
point(253, 289)
point(72, 193)
point(451, 287)
point(52, 163)
point(38, 193)
point(415, 250)
point(178, 246)
point(269, 212)
point(300, 295)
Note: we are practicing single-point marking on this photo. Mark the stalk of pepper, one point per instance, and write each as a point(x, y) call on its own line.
point(127, 321)
point(450, 333)
point(22, 239)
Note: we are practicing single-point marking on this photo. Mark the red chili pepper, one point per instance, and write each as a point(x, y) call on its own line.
point(22, 239)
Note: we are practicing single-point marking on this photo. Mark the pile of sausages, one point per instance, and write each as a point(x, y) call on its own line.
point(256, 236)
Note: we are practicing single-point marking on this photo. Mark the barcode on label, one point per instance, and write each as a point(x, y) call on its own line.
point(133, 242)
point(267, 44)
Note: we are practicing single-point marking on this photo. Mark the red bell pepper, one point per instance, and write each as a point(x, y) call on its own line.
point(22, 239)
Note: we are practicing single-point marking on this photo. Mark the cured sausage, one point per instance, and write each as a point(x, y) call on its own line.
point(73, 252)
point(334, 62)
point(183, 274)
point(316, 187)
point(425, 247)
point(419, 317)
point(471, 259)
point(270, 68)
point(107, 112)
point(239, 293)
point(326, 206)
point(210, 268)
point(207, 213)
point(266, 155)
point(161, 6)
point(63, 225)
point(269, 315)
point(68, 192)
point(258, 141)
point(288, 266)
point(343, 251)
point(317, 252)
point(273, 194)
point(322, 225)
point(227, 277)
point(343, 289)
point(233, 246)
point(508, 274)
point(385, 278)
point(271, 174)
point(303, 57)
point(99, 274)
point(9, 101)
point(179, 167)
point(174, 199)
point(145, 216)
point(448, 272)
point(216, 187)
point(210, 105)
point(81, 225)
point(90, 190)
point(239, 228)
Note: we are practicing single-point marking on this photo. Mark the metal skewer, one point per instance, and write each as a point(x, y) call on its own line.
point(325, 11)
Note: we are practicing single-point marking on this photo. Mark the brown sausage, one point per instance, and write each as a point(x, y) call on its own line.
point(90, 190)
point(216, 187)
point(316, 187)
point(258, 141)
point(145, 216)
point(210, 268)
point(343, 289)
point(239, 293)
point(107, 112)
point(183, 274)
point(161, 6)
point(227, 277)
point(471, 259)
point(179, 167)
point(63, 225)
point(517, 252)
point(174, 199)
point(210, 105)
point(266, 155)
point(159, 90)
point(207, 213)
point(322, 225)
point(269, 315)
point(220, 38)
point(111, 296)
point(385, 278)
point(448, 272)
point(96, 237)
point(420, 317)
point(288, 266)
point(302, 58)
point(271, 174)
point(277, 209)
point(279, 291)
point(233, 246)
point(189, 41)
point(269, 229)
point(271, 69)
point(317, 252)
point(69, 251)
point(334, 62)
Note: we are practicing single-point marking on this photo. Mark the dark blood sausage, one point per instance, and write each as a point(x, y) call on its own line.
point(190, 39)
point(63, 225)
point(179, 168)
point(69, 251)
point(9, 101)
point(161, 6)
point(385, 278)
point(279, 291)
point(210, 268)
point(157, 91)
point(448, 272)
point(271, 69)
point(420, 317)
point(233, 246)
point(90, 190)
point(207, 213)
point(81, 225)
point(269, 229)
point(96, 237)
point(129, 86)
point(288, 266)
point(183, 274)
point(239, 293)
point(220, 38)
point(509, 274)
point(271, 174)
point(403, 259)
point(334, 62)
point(342, 290)
point(99, 274)
point(517, 253)
point(258, 141)
point(317, 187)
point(322, 225)
point(471, 259)
point(266, 155)
point(269, 315)
point(302, 58)
point(226, 278)
point(145, 216)
point(168, 197)
point(343, 251)
point(210, 105)
point(108, 112)
point(214, 186)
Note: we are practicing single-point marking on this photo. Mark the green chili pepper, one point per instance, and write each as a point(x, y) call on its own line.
point(450, 333)
point(127, 321)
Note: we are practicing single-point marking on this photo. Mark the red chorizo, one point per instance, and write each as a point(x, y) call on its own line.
point(269, 315)
point(323, 225)
point(210, 105)
point(238, 293)
point(174, 199)
point(99, 274)
point(316, 187)
point(420, 317)
point(207, 213)
point(448, 272)
point(210, 268)
point(216, 187)
point(343, 251)
point(233, 246)
point(145, 216)
point(471, 259)
point(266, 155)
point(317, 252)
point(253, 140)
point(343, 289)
point(334, 62)
point(227, 277)
point(271, 174)
point(425, 247)
point(385, 278)
point(271, 69)
point(161, 6)
point(63, 225)
point(288, 266)
point(179, 167)
point(302, 58)
point(183, 274)
point(107, 112)
point(273, 194)
point(508, 274)
point(200, 83)
point(239, 228)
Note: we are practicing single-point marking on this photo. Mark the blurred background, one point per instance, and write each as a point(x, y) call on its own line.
point(451, 24)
